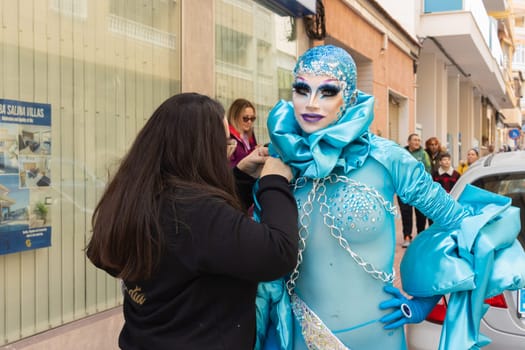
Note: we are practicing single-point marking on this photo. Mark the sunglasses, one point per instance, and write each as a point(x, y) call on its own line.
point(248, 119)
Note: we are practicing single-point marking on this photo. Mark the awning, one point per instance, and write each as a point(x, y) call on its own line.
point(512, 117)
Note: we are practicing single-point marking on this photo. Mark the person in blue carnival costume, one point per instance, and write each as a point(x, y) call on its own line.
point(341, 293)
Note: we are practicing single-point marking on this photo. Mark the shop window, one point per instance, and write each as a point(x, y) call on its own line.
point(94, 71)
point(232, 47)
point(254, 57)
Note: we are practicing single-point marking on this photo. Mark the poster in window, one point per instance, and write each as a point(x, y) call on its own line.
point(25, 174)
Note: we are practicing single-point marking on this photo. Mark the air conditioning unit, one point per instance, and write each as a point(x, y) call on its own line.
point(290, 8)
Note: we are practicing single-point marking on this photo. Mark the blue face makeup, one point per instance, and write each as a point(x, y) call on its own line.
point(317, 101)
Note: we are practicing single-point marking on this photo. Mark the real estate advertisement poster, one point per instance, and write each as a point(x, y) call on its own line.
point(25, 152)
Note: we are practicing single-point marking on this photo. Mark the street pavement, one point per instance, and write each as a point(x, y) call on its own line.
point(399, 252)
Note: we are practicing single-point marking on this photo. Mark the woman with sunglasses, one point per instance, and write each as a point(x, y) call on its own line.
point(241, 117)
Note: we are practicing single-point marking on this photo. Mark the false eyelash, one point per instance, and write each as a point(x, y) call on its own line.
point(300, 87)
point(330, 90)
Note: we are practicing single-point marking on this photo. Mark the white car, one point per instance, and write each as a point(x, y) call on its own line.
point(504, 322)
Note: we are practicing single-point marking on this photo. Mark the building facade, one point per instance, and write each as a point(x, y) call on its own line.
point(518, 64)
point(466, 87)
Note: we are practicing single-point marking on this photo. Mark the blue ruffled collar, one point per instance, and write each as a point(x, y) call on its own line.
point(344, 144)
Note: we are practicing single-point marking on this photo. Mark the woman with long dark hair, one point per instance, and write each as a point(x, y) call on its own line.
point(172, 227)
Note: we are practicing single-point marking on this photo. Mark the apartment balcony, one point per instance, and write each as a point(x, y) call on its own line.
point(463, 32)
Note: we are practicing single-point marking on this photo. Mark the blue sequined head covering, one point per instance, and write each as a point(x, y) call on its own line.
point(344, 144)
point(334, 62)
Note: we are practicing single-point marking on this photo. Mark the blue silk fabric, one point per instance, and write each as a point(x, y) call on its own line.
point(480, 259)
point(274, 317)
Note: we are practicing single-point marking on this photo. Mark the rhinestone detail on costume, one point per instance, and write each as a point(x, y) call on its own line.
point(315, 333)
point(351, 206)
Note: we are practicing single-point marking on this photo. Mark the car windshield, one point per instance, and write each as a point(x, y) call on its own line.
point(510, 185)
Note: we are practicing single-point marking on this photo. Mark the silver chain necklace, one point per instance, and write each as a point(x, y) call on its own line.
point(319, 190)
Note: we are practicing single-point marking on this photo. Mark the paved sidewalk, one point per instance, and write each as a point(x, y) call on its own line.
point(399, 252)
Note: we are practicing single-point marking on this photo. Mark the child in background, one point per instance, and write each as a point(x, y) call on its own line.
point(445, 174)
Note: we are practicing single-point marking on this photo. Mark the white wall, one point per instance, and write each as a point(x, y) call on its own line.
point(405, 12)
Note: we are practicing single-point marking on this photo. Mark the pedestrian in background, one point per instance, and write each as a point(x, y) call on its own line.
point(170, 225)
point(241, 117)
point(446, 175)
point(434, 150)
point(472, 156)
point(407, 211)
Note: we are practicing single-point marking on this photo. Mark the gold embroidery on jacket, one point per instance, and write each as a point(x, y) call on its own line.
point(136, 295)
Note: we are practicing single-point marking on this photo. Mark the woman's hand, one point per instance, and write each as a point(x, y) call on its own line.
point(253, 163)
point(232, 145)
point(275, 166)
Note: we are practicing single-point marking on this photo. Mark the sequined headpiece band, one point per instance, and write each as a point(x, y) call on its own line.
point(334, 62)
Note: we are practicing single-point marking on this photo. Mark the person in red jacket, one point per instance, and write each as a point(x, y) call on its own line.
point(241, 117)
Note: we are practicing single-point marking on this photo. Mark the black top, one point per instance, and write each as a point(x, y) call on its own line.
point(203, 294)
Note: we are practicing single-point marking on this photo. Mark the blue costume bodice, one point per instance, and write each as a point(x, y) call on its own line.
point(364, 216)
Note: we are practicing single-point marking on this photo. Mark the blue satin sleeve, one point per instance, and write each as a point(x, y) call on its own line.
point(274, 317)
point(415, 186)
point(478, 259)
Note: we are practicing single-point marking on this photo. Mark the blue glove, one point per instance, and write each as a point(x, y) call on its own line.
point(406, 310)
